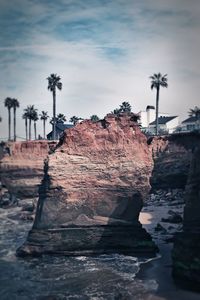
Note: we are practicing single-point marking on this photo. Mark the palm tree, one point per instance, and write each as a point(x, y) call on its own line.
point(94, 118)
point(116, 111)
point(75, 119)
point(195, 112)
point(35, 119)
point(30, 114)
point(8, 103)
point(61, 118)
point(25, 117)
point(157, 81)
point(125, 107)
point(15, 104)
point(44, 116)
point(53, 83)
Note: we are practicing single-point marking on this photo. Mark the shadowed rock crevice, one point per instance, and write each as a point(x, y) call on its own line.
point(186, 251)
point(172, 156)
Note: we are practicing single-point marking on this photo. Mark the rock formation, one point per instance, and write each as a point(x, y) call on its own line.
point(92, 191)
point(172, 155)
point(186, 252)
point(21, 166)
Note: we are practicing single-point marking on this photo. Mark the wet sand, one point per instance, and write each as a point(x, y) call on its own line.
point(160, 268)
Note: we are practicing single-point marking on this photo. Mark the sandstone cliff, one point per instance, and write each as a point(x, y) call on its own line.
point(21, 166)
point(186, 252)
point(92, 191)
point(172, 156)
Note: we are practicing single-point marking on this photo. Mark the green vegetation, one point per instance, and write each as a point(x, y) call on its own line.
point(30, 113)
point(53, 83)
point(75, 120)
point(194, 112)
point(35, 119)
point(157, 81)
point(124, 107)
point(94, 118)
point(15, 105)
point(44, 116)
point(11, 103)
point(8, 104)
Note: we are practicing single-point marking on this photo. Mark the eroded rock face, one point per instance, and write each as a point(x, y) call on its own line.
point(172, 156)
point(186, 252)
point(92, 191)
point(21, 166)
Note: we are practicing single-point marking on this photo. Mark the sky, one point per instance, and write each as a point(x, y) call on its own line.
point(103, 50)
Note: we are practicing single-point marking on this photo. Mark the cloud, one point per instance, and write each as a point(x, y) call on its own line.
point(104, 52)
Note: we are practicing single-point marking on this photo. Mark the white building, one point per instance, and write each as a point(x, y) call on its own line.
point(166, 125)
point(147, 116)
point(190, 124)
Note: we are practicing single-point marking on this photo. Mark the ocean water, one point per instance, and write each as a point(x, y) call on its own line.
point(57, 277)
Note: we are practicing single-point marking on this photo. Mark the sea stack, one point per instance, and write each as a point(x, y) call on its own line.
point(92, 191)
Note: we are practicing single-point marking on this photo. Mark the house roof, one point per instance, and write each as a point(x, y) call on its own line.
point(190, 119)
point(150, 107)
point(163, 120)
point(60, 127)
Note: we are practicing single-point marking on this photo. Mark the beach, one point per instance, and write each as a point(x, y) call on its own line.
point(159, 269)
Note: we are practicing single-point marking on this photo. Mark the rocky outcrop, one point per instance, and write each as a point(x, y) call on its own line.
point(21, 166)
point(172, 156)
point(92, 191)
point(186, 252)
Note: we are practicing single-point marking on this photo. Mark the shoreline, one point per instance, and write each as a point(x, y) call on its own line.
point(159, 268)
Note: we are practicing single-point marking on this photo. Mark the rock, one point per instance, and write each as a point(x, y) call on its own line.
point(5, 201)
point(173, 218)
point(28, 207)
point(168, 195)
point(172, 155)
point(21, 166)
point(159, 227)
point(92, 191)
point(186, 251)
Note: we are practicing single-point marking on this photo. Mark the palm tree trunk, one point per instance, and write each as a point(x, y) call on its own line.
point(9, 124)
point(157, 108)
point(35, 130)
point(26, 128)
point(29, 129)
point(44, 131)
point(54, 114)
point(14, 122)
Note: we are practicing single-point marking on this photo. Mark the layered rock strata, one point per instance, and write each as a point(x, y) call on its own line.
point(21, 166)
point(92, 191)
point(186, 252)
point(172, 156)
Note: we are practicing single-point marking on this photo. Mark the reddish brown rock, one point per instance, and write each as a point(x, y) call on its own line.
point(21, 166)
point(92, 191)
point(172, 156)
